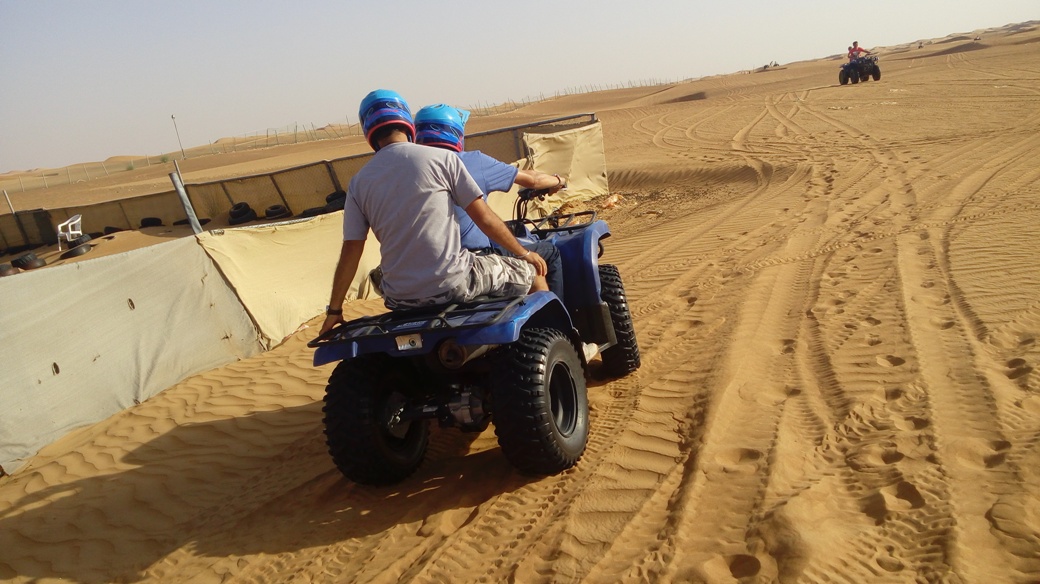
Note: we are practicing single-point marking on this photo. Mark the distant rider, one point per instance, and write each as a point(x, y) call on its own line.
point(855, 51)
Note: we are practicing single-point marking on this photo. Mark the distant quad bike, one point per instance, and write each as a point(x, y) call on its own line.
point(518, 362)
point(859, 69)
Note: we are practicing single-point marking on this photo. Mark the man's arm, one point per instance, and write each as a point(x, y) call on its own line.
point(533, 179)
point(493, 226)
point(346, 269)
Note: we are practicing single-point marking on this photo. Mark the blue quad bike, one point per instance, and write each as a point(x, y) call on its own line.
point(518, 362)
point(859, 69)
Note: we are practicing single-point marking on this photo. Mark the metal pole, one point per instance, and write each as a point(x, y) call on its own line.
point(183, 155)
point(178, 185)
point(9, 202)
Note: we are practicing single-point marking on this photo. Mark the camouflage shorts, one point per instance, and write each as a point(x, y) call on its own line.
point(491, 275)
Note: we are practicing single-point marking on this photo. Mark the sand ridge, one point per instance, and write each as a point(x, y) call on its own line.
point(835, 293)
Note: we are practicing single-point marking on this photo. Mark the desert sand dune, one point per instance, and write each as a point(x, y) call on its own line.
point(837, 299)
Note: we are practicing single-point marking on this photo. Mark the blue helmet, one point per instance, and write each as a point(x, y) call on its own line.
point(441, 125)
point(384, 107)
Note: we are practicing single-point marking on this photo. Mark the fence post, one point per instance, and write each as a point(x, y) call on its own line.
point(333, 175)
point(178, 186)
point(278, 190)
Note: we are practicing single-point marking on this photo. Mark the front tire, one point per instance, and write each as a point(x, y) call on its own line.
point(362, 398)
point(843, 77)
point(854, 76)
point(540, 403)
point(876, 73)
point(622, 358)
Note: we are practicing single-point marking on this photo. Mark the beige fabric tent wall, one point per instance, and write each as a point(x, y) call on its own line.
point(283, 272)
point(84, 340)
point(576, 153)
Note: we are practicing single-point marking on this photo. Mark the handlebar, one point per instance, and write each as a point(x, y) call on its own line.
point(526, 194)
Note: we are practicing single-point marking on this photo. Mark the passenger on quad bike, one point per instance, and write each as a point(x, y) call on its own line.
point(444, 126)
point(855, 50)
point(405, 194)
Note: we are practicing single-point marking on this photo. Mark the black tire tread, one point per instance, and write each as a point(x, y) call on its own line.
point(246, 217)
point(76, 251)
point(622, 358)
point(35, 263)
point(23, 260)
point(351, 429)
point(521, 415)
point(80, 240)
point(312, 212)
point(238, 210)
point(277, 212)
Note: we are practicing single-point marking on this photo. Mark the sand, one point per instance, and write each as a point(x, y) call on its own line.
point(837, 297)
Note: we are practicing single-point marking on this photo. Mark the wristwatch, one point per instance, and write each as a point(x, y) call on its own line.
point(330, 312)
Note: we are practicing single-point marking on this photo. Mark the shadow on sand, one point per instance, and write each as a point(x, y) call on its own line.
point(230, 487)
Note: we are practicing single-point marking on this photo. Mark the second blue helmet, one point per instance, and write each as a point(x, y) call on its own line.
point(441, 125)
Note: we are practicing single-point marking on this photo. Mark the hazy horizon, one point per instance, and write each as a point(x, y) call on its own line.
point(87, 81)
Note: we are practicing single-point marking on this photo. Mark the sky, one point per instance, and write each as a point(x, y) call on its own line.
point(81, 81)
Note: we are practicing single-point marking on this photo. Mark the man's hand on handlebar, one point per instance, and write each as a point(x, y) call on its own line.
point(526, 194)
point(331, 320)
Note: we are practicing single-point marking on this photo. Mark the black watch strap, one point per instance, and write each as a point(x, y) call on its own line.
point(329, 311)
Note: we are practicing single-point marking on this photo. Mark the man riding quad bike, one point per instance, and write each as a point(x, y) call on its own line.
point(859, 69)
point(517, 362)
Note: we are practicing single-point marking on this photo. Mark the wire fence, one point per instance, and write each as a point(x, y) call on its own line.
point(85, 172)
point(268, 138)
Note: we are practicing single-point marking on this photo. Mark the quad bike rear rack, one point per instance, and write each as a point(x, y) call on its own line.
point(457, 317)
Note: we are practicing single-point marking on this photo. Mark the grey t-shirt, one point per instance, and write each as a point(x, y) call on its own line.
point(406, 194)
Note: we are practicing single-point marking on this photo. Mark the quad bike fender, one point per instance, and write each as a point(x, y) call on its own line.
point(542, 309)
point(579, 253)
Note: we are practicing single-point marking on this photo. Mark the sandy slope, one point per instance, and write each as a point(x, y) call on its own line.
point(837, 298)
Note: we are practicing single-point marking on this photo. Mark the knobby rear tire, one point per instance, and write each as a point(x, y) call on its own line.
point(360, 396)
point(540, 403)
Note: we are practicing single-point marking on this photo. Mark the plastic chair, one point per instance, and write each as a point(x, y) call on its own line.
point(70, 229)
